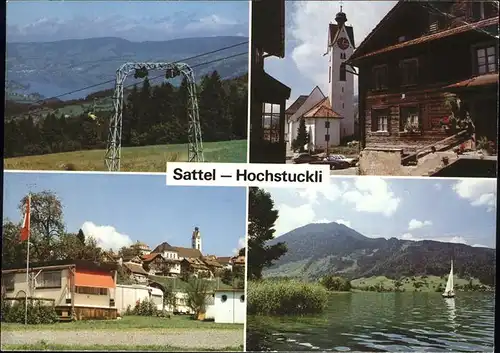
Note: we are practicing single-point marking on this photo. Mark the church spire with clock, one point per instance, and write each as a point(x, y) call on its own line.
point(340, 81)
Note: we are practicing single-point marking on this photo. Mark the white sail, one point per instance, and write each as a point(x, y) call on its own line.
point(449, 284)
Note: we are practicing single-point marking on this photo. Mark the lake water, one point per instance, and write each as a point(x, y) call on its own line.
point(383, 322)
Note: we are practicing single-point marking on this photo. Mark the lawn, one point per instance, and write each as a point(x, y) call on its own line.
point(134, 159)
point(42, 346)
point(176, 322)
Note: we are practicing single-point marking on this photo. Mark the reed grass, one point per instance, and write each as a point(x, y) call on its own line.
point(291, 297)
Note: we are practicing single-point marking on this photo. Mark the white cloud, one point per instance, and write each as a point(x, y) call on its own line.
point(479, 192)
point(107, 237)
point(372, 194)
point(241, 244)
point(291, 218)
point(309, 29)
point(344, 222)
point(416, 224)
point(479, 246)
point(444, 239)
point(331, 191)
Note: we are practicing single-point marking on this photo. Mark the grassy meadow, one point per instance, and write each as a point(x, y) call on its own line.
point(148, 323)
point(134, 159)
point(409, 284)
point(43, 346)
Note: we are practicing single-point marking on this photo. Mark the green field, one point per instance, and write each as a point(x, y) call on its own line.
point(175, 322)
point(409, 284)
point(42, 346)
point(134, 159)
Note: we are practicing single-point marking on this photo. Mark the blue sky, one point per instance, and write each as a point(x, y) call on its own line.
point(306, 30)
point(123, 208)
point(132, 20)
point(450, 210)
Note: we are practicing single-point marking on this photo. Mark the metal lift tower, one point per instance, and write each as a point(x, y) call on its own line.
point(195, 144)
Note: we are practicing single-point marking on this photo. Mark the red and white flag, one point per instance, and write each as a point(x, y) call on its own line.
point(25, 230)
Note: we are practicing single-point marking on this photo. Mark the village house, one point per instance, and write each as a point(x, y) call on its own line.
point(135, 271)
point(414, 67)
point(225, 262)
point(155, 264)
point(238, 262)
point(213, 265)
point(78, 289)
point(195, 267)
point(268, 96)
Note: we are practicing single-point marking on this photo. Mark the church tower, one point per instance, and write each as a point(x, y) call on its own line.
point(340, 81)
point(196, 239)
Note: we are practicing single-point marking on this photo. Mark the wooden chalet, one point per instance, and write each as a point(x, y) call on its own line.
point(196, 267)
point(417, 57)
point(155, 264)
point(78, 289)
point(268, 95)
point(213, 265)
point(136, 272)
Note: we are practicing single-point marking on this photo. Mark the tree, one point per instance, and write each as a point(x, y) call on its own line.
point(333, 283)
point(46, 224)
point(261, 219)
point(302, 135)
point(197, 291)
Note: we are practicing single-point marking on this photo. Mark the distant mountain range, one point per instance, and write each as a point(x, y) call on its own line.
point(49, 69)
point(316, 250)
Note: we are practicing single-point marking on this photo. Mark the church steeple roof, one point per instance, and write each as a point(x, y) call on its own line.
point(341, 17)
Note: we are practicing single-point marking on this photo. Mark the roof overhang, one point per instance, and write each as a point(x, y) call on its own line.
point(479, 82)
point(484, 24)
point(268, 89)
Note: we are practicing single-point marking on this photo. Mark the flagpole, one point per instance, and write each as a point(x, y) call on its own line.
point(27, 264)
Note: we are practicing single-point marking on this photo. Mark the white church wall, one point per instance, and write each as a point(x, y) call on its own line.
point(321, 131)
point(313, 99)
point(341, 93)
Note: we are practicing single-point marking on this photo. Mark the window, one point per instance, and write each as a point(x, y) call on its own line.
point(342, 72)
point(49, 279)
point(380, 77)
point(242, 298)
point(91, 290)
point(8, 282)
point(486, 60)
point(223, 298)
point(409, 118)
point(342, 56)
point(409, 72)
point(271, 122)
point(380, 121)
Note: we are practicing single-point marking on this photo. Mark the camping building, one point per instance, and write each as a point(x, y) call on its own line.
point(80, 287)
point(229, 306)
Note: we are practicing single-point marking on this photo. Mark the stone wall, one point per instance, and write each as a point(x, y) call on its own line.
point(380, 162)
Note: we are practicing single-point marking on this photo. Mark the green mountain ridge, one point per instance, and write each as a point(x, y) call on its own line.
point(316, 250)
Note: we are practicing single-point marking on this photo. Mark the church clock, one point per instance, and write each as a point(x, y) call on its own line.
point(343, 43)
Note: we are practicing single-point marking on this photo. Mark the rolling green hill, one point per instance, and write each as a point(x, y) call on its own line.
point(316, 250)
point(134, 159)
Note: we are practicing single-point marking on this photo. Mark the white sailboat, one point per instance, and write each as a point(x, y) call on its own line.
point(449, 292)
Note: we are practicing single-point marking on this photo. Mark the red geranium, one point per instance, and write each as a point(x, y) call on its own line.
point(446, 120)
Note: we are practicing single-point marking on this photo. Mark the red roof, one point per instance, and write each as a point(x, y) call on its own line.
point(150, 257)
point(322, 110)
point(447, 33)
point(483, 80)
